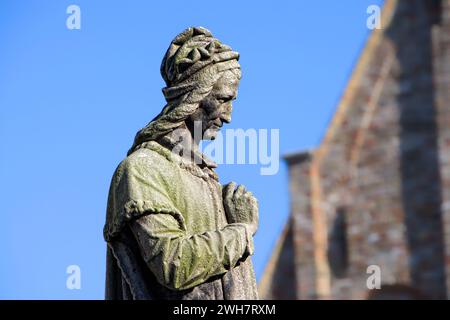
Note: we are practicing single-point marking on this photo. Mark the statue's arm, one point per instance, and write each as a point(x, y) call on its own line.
point(181, 261)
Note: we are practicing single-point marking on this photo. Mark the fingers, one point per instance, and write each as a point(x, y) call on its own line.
point(228, 191)
point(227, 194)
point(249, 194)
point(239, 191)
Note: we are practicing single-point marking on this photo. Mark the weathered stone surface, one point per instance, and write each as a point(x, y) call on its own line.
point(172, 232)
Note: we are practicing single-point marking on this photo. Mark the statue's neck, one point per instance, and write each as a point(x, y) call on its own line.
point(182, 140)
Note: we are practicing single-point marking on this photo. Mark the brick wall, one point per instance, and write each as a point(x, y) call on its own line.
point(376, 191)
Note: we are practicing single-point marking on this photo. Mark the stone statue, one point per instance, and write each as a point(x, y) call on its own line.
point(173, 231)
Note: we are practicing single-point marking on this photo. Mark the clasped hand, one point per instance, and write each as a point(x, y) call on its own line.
point(240, 206)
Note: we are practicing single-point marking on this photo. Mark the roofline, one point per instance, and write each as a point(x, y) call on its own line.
point(297, 157)
point(347, 95)
point(363, 61)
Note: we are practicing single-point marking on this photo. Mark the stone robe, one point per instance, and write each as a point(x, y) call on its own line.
point(167, 232)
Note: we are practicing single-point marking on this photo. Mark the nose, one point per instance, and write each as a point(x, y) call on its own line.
point(226, 117)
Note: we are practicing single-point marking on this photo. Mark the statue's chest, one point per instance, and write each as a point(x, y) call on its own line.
point(200, 202)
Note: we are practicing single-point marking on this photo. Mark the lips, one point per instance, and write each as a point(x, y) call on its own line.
point(215, 125)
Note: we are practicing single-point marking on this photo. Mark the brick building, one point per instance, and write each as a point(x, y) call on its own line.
point(376, 191)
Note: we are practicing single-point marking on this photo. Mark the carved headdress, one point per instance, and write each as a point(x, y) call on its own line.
point(191, 66)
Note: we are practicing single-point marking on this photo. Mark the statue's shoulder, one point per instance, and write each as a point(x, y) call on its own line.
point(151, 157)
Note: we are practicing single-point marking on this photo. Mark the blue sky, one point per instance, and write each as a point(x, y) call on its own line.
point(71, 102)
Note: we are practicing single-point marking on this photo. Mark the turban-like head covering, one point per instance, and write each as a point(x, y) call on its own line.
point(191, 66)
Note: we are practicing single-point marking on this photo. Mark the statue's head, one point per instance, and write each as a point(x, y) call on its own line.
point(215, 109)
point(202, 77)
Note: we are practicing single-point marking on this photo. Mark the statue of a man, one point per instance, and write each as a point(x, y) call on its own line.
point(173, 231)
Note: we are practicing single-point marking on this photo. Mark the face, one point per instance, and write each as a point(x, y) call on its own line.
point(216, 108)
